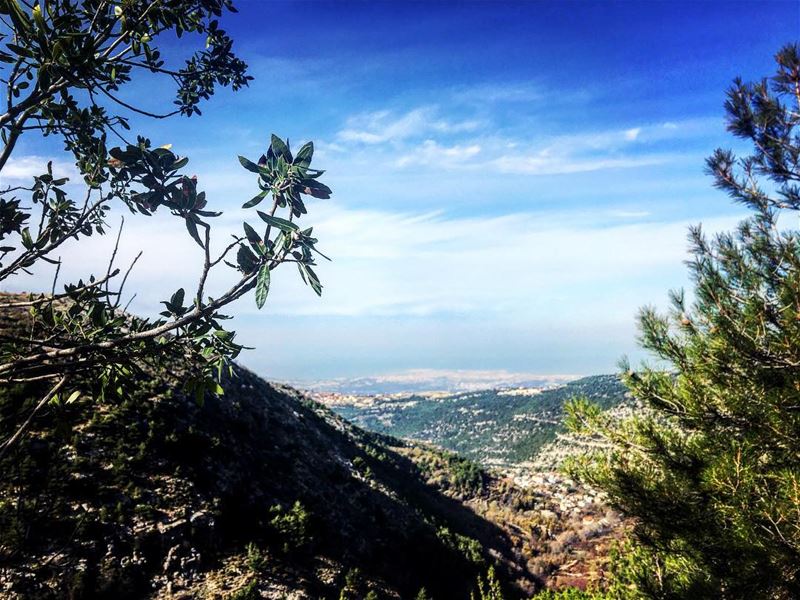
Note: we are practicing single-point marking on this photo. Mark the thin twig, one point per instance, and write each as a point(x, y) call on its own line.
point(55, 278)
point(114, 253)
point(43, 299)
point(22, 428)
point(129, 303)
point(135, 109)
point(124, 279)
point(206, 265)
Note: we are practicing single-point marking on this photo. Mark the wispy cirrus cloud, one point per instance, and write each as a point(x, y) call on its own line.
point(421, 138)
point(546, 164)
point(548, 156)
point(500, 92)
point(432, 152)
point(387, 126)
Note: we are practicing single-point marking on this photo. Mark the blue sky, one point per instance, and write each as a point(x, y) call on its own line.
point(511, 180)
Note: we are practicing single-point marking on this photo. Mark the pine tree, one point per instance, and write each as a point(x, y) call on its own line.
point(710, 472)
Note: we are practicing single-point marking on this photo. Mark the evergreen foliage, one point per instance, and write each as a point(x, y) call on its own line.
point(292, 526)
point(488, 587)
point(711, 472)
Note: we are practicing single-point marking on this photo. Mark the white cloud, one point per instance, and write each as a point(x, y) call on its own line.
point(632, 134)
point(523, 91)
point(546, 164)
point(534, 266)
point(629, 214)
point(22, 168)
point(430, 152)
point(385, 126)
point(451, 147)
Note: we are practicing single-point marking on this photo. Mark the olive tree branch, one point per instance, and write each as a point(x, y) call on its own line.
point(22, 428)
point(243, 286)
point(50, 298)
point(33, 255)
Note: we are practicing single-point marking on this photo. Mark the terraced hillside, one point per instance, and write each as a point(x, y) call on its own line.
point(494, 427)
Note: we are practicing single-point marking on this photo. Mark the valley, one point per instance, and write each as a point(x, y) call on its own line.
point(504, 427)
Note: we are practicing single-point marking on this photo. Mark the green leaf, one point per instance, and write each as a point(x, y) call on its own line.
point(279, 242)
point(303, 157)
point(316, 189)
point(262, 286)
point(252, 236)
point(27, 241)
point(177, 298)
point(282, 224)
point(279, 148)
point(191, 227)
point(310, 277)
point(246, 259)
point(256, 199)
point(249, 165)
point(73, 396)
point(20, 50)
point(97, 314)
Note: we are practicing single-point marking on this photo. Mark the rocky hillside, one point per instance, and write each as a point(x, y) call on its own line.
point(263, 493)
point(502, 428)
point(256, 490)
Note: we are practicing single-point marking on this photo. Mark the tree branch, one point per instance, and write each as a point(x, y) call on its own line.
point(22, 428)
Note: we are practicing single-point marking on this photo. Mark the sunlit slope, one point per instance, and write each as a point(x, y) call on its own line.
point(496, 427)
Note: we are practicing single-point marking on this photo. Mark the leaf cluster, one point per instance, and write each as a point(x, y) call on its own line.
point(64, 64)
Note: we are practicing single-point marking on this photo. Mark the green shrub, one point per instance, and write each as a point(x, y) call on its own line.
point(292, 527)
point(466, 546)
point(488, 588)
point(248, 592)
point(256, 559)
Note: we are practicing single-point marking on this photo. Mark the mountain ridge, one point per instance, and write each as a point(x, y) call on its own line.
point(498, 427)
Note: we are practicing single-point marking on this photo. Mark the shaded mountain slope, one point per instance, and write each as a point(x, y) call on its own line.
point(156, 494)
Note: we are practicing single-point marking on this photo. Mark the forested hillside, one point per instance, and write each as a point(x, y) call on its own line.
point(495, 427)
